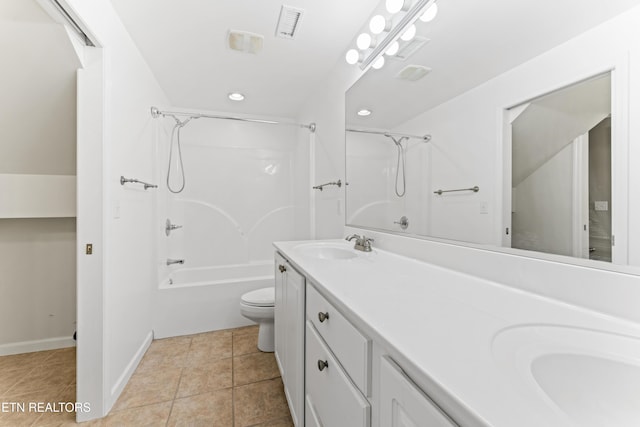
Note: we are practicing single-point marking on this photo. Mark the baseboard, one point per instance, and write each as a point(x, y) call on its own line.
point(36, 345)
point(117, 388)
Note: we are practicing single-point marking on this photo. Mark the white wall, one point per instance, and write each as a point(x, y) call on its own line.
point(129, 218)
point(472, 125)
point(543, 216)
point(38, 284)
point(37, 119)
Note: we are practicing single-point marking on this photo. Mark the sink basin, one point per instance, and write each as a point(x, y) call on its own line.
point(593, 377)
point(324, 251)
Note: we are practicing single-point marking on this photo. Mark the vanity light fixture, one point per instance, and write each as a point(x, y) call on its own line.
point(364, 41)
point(236, 96)
point(364, 112)
point(372, 50)
point(393, 49)
point(379, 24)
point(430, 14)
point(409, 34)
point(378, 63)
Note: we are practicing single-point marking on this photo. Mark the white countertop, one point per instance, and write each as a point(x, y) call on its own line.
point(469, 341)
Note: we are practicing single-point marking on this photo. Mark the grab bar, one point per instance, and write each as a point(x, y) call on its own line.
point(124, 180)
point(474, 189)
point(321, 186)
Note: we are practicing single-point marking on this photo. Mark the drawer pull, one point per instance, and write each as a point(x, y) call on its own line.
point(282, 268)
point(322, 364)
point(323, 316)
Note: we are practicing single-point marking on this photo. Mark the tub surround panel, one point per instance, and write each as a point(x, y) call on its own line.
point(459, 318)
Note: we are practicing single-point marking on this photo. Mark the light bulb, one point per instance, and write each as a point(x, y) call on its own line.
point(364, 41)
point(378, 63)
point(352, 57)
point(378, 24)
point(395, 6)
point(409, 33)
point(430, 13)
point(392, 49)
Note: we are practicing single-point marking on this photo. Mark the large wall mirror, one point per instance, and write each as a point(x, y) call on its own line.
point(514, 152)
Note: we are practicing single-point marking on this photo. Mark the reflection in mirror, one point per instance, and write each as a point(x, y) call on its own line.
point(561, 171)
point(473, 110)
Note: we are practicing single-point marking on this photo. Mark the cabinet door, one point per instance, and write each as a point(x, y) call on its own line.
point(289, 334)
point(294, 306)
point(279, 310)
point(403, 404)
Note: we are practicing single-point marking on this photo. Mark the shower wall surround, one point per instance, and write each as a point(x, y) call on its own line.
point(239, 197)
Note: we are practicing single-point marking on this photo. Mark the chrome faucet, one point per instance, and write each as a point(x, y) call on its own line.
point(174, 261)
point(362, 243)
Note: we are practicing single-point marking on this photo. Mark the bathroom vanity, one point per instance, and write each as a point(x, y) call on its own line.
point(377, 339)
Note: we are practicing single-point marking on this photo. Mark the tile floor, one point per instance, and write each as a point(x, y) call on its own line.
point(212, 379)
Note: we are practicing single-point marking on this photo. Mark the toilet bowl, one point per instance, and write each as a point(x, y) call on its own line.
point(259, 306)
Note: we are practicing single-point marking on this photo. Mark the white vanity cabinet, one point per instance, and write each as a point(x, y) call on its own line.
point(337, 367)
point(289, 334)
point(403, 404)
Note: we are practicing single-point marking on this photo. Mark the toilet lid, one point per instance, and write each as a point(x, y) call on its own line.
point(264, 297)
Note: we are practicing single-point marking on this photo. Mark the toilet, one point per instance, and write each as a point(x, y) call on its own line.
point(259, 306)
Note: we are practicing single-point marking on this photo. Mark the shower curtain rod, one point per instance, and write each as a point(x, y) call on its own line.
point(155, 113)
point(425, 138)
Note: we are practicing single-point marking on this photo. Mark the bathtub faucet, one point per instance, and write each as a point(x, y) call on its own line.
point(174, 261)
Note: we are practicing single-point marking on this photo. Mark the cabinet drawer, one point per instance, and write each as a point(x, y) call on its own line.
point(403, 404)
point(332, 398)
point(347, 343)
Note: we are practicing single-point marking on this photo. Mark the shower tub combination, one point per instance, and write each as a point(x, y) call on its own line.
point(229, 195)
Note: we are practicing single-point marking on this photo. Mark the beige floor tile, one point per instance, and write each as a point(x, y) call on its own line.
point(282, 422)
point(245, 343)
point(208, 409)
point(46, 377)
point(11, 378)
point(22, 361)
point(218, 344)
point(259, 402)
point(63, 355)
point(147, 388)
point(252, 329)
point(166, 353)
point(254, 367)
point(151, 415)
point(214, 375)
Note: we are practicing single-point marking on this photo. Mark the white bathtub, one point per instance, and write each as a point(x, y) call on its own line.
point(204, 276)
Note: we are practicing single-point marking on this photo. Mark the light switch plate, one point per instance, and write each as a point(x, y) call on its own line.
point(601, 205)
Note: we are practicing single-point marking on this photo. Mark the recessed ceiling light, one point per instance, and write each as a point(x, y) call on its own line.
point(236, 96)
point(364, 112)
point(430, 14)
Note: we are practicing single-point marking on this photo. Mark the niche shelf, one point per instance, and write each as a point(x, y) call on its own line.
point(37, 196)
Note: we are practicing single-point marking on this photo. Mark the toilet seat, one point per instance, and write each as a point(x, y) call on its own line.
point(264, 297)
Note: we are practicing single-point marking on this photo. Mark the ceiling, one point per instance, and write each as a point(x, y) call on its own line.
point(547, 125)
point(184, 43)
point(471, 42)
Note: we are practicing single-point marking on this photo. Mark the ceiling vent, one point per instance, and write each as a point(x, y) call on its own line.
point(413, 73)
point(288, 22)
point(243, 41)
point(409, 48)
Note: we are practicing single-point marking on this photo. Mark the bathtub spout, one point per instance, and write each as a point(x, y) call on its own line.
point(174, 261)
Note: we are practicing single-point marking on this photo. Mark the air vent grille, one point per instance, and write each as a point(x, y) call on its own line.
point(409, 48)
point(413, 73)
point(288, 22)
